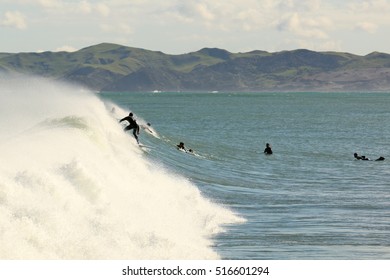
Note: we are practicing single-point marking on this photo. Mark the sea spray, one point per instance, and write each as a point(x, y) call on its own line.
point(73, 185)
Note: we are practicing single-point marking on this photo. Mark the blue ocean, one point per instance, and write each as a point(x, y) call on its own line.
point(74, 185)
point(310, 199)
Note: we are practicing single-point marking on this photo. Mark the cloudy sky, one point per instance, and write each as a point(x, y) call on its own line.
point(182, 26)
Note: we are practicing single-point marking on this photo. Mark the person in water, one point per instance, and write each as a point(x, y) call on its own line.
point(356, 156)
point(268, 150)
point(132, 125)
point(181, 146)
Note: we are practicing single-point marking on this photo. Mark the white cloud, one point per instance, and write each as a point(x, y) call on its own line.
point(66, 49)
point(204, 11)
point(103, 9)
point(375, 11)
point(14, 19)
point(305, 27)
point(371, 6)
point(84, 7)
point(72, 8)
point(51, 3)
point(367, 27)
point(232, 24)
point(228, 15)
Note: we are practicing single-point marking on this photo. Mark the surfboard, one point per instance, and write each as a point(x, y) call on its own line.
point(190, 153)
point(149, 130)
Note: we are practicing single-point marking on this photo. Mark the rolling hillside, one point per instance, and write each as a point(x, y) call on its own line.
point(110, 67)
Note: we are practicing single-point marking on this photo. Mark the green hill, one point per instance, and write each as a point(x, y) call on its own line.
point(111, 67)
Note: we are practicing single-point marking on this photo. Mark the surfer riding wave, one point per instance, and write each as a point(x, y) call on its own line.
point(132, 125)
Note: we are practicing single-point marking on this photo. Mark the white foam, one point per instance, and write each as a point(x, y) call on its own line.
point(74, 186)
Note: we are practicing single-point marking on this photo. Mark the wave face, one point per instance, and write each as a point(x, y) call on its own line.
point(74, 186)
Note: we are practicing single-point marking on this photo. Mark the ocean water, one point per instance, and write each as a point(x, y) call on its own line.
point(73, 185)
point(309, 200)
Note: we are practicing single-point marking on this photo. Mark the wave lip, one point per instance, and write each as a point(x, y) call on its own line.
point(74, 186)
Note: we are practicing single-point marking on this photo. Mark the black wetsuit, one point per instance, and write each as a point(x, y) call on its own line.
point(268, 151)
point(132, 126)
point(364, 158)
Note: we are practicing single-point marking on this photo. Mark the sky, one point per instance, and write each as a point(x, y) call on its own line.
point(183, 26)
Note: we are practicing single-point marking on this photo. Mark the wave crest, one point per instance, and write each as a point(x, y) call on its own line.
point(74, 186)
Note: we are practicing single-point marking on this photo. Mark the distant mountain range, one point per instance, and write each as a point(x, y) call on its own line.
point(111, 67)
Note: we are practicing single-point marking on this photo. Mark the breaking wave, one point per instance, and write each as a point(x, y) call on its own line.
point(74, 186)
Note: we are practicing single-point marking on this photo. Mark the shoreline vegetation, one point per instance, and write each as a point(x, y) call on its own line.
point(114, 68)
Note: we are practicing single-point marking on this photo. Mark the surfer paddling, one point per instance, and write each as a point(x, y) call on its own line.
point(132, 125)
point(181, 147)
point(358, 157)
